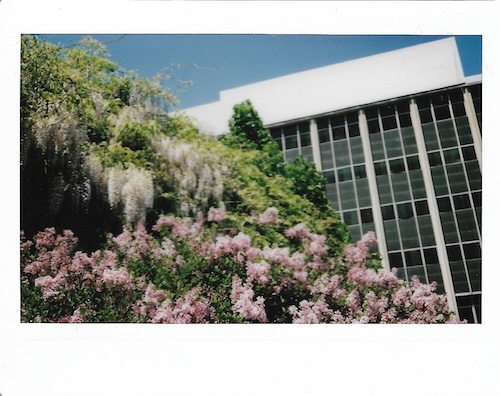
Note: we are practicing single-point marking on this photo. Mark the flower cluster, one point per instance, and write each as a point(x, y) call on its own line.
point(132, 187)
point(190, 271)
point(198, 176)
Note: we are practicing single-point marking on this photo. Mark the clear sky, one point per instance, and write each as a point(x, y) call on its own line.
point(218, 62)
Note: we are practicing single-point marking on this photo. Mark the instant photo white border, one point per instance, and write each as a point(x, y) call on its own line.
point(107, 359)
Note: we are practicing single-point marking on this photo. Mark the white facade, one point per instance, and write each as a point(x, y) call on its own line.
point(348, 84)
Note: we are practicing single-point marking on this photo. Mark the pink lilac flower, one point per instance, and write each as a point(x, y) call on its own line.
point(317, 245)
point(299, 231)
point(310, 312)
point(216, 215)
point(242, 297)
point(118, 278)
point(259, 272)
point(269, 216)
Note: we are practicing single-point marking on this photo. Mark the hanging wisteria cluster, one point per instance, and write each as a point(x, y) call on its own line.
point(199, 175)
point(134, 189)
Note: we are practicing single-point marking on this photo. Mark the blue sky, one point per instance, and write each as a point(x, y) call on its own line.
point(218, 62)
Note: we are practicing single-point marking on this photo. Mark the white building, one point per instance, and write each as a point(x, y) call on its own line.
point(398, 138)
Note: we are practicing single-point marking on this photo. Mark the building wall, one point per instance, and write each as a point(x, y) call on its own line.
point(423, 202)
point(398, 139)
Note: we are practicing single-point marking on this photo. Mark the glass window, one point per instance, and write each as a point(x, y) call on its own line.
point(341, 152)
point(413, 162)
point(400, 187)
point(456, 176)
point(404, 120)
point(373, 126)
point(434, 159)
point(472, 251)
point(304, 127)
point(352, 121)
point(291, 142)
point(393, 144)
point(366, 216)
point(461, 201)
point(386, 110)
point(275, 133)
point(397, 165)
point(430, 137)
point(439, 180)
point(352, 117)
point(409, 233)
point(292, 154)
point(389, 123)
point(413, 257)
point(359, 172)
point(323, 135)
point(439, 99)
point(353, 130)
point(459, 277)
point(442, 112)
point(417, 184)
point(425, 116)
point(351, 217)
point(477, 198)
point(357, 155)
point(431, 256)
point(377, 147)
point(421, 207)
point(344, 174)
point(405, 211)
point(426, 231)
point(347, 195)
point(338, 133)
point(444, 204)
point(451, 156)
point(463, 129)
point(387, 212)
point(474, 174)
point(363, 192)
point(465, 308)
point(325, 150)
point(454, 253)
point(329, 176)
point(447, 135)
point(409, 142)
point(395, 260)
point(449, 227)
point(469, 153)
point(380, 168)
point(392, 235)
point(434, 274)
point(467, 225)
point(384, 189)
point(322, 123)
point(305, 139)
point(290, 130)
point(333, 198)
point(458, 109)
point(337, 121)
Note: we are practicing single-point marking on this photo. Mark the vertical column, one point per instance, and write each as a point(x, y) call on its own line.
point(372, 185)
point(474, 127)
point(313, 128)
point(433, 208)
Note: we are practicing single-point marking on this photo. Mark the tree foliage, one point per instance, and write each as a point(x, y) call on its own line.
point(172, 225)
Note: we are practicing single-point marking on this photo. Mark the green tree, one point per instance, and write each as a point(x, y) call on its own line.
point(247, 132)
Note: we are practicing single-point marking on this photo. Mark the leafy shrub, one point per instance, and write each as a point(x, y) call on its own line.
point(187, 271)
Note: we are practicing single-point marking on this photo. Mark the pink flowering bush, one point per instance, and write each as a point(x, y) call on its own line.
point(212, 271)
